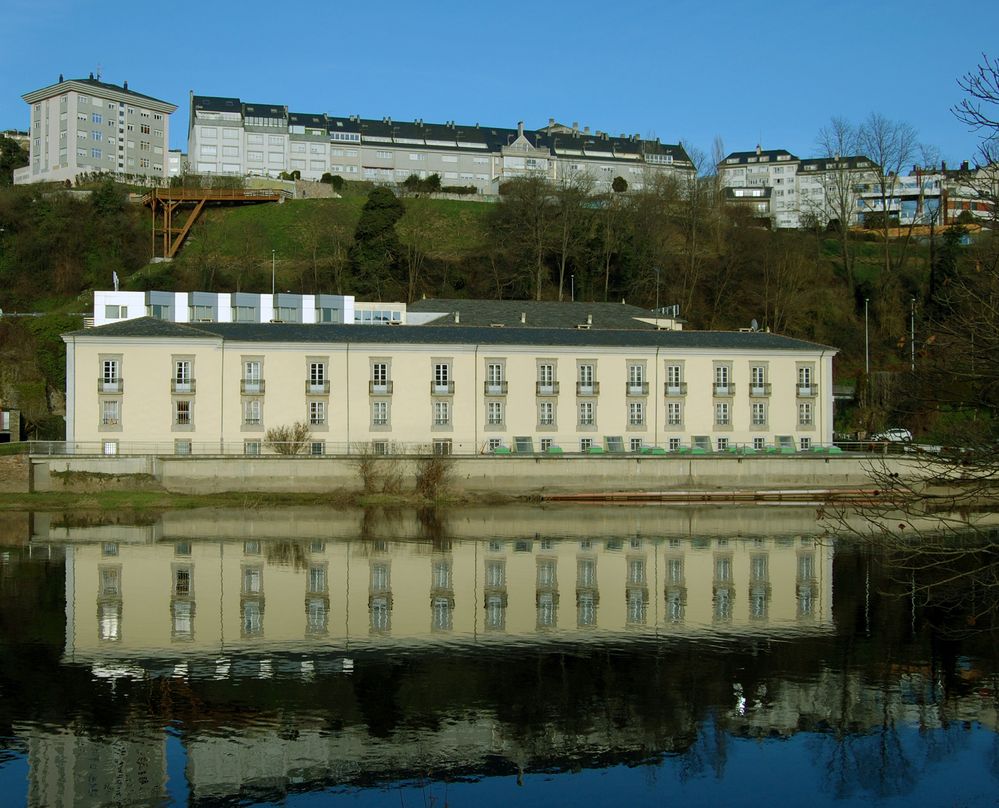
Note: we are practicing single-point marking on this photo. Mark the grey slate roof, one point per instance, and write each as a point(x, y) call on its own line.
point(537, 314)
point(459, 335)
point(97, 85)
point(490, 138)
point(850, 162)
point(743, 157)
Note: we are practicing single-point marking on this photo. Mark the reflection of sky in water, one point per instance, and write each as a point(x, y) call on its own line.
point(604, 668)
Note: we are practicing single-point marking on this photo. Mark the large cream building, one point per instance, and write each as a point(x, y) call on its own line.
point(148, 385)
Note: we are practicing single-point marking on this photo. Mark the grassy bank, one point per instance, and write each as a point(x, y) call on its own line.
point(138, 501)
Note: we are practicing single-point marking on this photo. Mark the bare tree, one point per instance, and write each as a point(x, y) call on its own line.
point(571, 194)
point(891, 146)
point(980, 111)
point(839, 140)
point(524, 220)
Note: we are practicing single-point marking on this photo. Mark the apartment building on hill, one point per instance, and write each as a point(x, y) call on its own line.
point(81, 126)
point(229, 136)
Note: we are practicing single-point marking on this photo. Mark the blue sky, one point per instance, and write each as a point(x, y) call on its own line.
point(748, 72)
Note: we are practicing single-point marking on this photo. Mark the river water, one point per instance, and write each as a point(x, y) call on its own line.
point(486, 657)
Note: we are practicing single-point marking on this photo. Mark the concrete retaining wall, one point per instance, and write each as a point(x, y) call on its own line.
point(474, 475)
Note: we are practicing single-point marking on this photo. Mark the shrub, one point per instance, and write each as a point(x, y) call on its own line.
point(287, 440)
point(434, 476)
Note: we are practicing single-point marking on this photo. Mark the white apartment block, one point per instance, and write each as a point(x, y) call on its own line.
point(81, 126)
point(228, 136)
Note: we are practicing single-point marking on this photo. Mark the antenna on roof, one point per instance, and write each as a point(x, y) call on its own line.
point(98, 71)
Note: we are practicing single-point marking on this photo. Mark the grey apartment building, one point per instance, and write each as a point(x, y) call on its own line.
point(229, 136)
point(86, 125)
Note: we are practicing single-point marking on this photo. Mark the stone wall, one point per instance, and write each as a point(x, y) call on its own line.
point(14, 476)
point(510, 475)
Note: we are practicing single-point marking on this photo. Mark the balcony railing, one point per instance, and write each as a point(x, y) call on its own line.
point(637, 388)
point(441, 388)
point(546, 388)
point(679, 389)
point(494, 388)
point(182, 385)
point(380, 388)
point(723, 389)
point(759, 389)
point(317, 388)
point(591, 389)
point(110, 385)
point(251, 387)
point(808, 390)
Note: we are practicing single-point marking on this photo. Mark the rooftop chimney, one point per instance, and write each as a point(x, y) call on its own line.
point(551, 121)
point(520, 128)
point(759, 149)
point(457, 317)
point(589, 319)
point(61, 78)
point(91, 76)
point(523, 317)
point(126, 84)
point(586, 130)
point(575, 126)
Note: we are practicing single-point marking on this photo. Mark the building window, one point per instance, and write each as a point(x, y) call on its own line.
point(805, 381)
point(379, 378)
point(585, 444)
point(110, 412)
point(722, 386)
point(182, 412)
point(442, 413)
point(636, 413)
point(183, 381)
point(759, 413)
point(721, 414)
point(442, 378)
point(252, 412)
point(182, 447)
point(494, 379)
point(546, 413)
point(585, 385)
point(586, 413)
point(636, 444)
point(674, 380)
point(805, 444)
point(546, 379)
point(317, 413)
point(111, 381)
point(636, 380)
point(379, 413)
point(318, 383)
point(317, 448)
point(252, 377)
point(674, 413)
point(721, 444)
point(673, 444)
point(759, 444)
point(494, 413)
point(251, 448)
point(758, 381)
point(442, 447)
point(805, 414)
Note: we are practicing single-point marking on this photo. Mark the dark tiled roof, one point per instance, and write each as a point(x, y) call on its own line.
point(537, 314)
point(771, 155)
point(820, 163)
point(463, 335)
point(310, 119)
point(211, 103)
point(143, 327)
point(265, 110)
point(103, 85)
point(95, 87)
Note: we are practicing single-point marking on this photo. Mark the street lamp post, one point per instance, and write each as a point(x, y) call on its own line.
point(273, 253)
point(867, 341)
point(912, 334)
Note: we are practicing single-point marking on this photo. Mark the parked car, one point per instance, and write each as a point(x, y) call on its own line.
point(895, 434)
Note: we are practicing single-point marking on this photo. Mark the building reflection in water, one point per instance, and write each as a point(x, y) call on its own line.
point(206, 596)
point(289, 664)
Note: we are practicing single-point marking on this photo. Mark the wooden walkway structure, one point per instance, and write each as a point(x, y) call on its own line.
point(169, 229)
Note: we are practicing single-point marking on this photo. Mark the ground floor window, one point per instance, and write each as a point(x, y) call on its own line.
point(674, 444)
point(317, 448)
point(806, 444)
point(442, 447)
point(251, 448)
point(182, 447)
point(636, 444)
point(585, 444)
point(721, 444)
point(759, 443)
